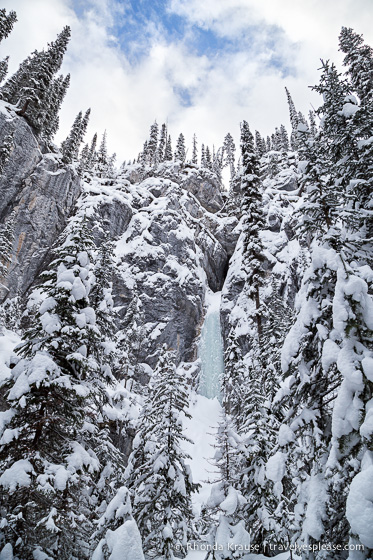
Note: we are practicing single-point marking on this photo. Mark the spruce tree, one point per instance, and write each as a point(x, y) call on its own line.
point(59, 465)
point(92, 156)
point(294, 119)
point(359, 62)
point(29, 87)
point(70, 146)
point(253, 223)
point(102, 160)
point(312, 119)
point(257, 432)
point(180, 153)
point(6, 148)
point(111, 165)
point(229, 151)
point(208, 159)
point(130, 340)
point(6, 23)
point(56, 95)
point(217, 163)
point(226, 502)
point(277, 140)
point(233, 383)
point(351, 433)
point(355, 147)
point(101, 300)
point(3, 68)
point(11, 87)
point(144, 154)
point(162, 143)
point(195, 150)
point(260, 144)
point(117, 531)
point(6, 245)
point(312, 380)
point(284, 139)
point(157, 475)
point(203, 156)
point(83, 160)
point(152, 148)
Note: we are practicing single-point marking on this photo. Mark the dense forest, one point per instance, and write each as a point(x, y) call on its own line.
point(117, 280)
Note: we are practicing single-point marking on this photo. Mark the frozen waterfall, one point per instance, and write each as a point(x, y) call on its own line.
point(211, 351)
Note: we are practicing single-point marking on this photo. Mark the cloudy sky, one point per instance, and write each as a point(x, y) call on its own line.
point(201, 65)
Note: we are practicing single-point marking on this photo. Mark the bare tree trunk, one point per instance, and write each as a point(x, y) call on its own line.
point(24, 108)
point(258, 317)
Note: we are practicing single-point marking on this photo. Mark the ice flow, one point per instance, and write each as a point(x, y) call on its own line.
point(211, 352)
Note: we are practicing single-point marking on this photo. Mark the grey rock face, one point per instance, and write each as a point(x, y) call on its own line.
point(202, 183)
point(204, 186)
point(43, 195)
point(168, 250)
point(170, 244)
point(25, 156)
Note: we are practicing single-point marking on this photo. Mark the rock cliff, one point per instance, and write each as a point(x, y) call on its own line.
point(172, 242)
point(41, 192)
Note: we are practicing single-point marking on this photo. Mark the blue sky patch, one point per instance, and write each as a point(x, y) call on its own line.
point(184, 95)
point(140, 23)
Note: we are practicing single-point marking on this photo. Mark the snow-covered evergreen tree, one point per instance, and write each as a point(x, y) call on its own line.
point(70, 146)
point(228, 537)
point(359, 62)
point(203, 156)
point(312, 121)
point(229, 151)
point(6, 245)
point(3, 68)
point(233, 386)
point(353, 304)
point(260, 144)
point(129, 342)
point(29, 87)
point(218, 163)
point(278, 321)
point(257, 432)
point(55, 97)
point(6, 22)
point(83, 160)
point(253, 222)
point(92, 156)
point(208, 159)
point(294, 120)
point(152, 147)
point(180, 153)
point(102, 301)
point(157, 474)
point(168, 149)
point(284, 139)
point(162, 143)
point(195, 150)
point(57, 462)
point(102, 159)
point(120, 537)
point(310, 349)
point(6, 148)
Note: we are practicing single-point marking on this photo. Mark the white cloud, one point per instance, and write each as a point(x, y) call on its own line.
point(225, 87)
